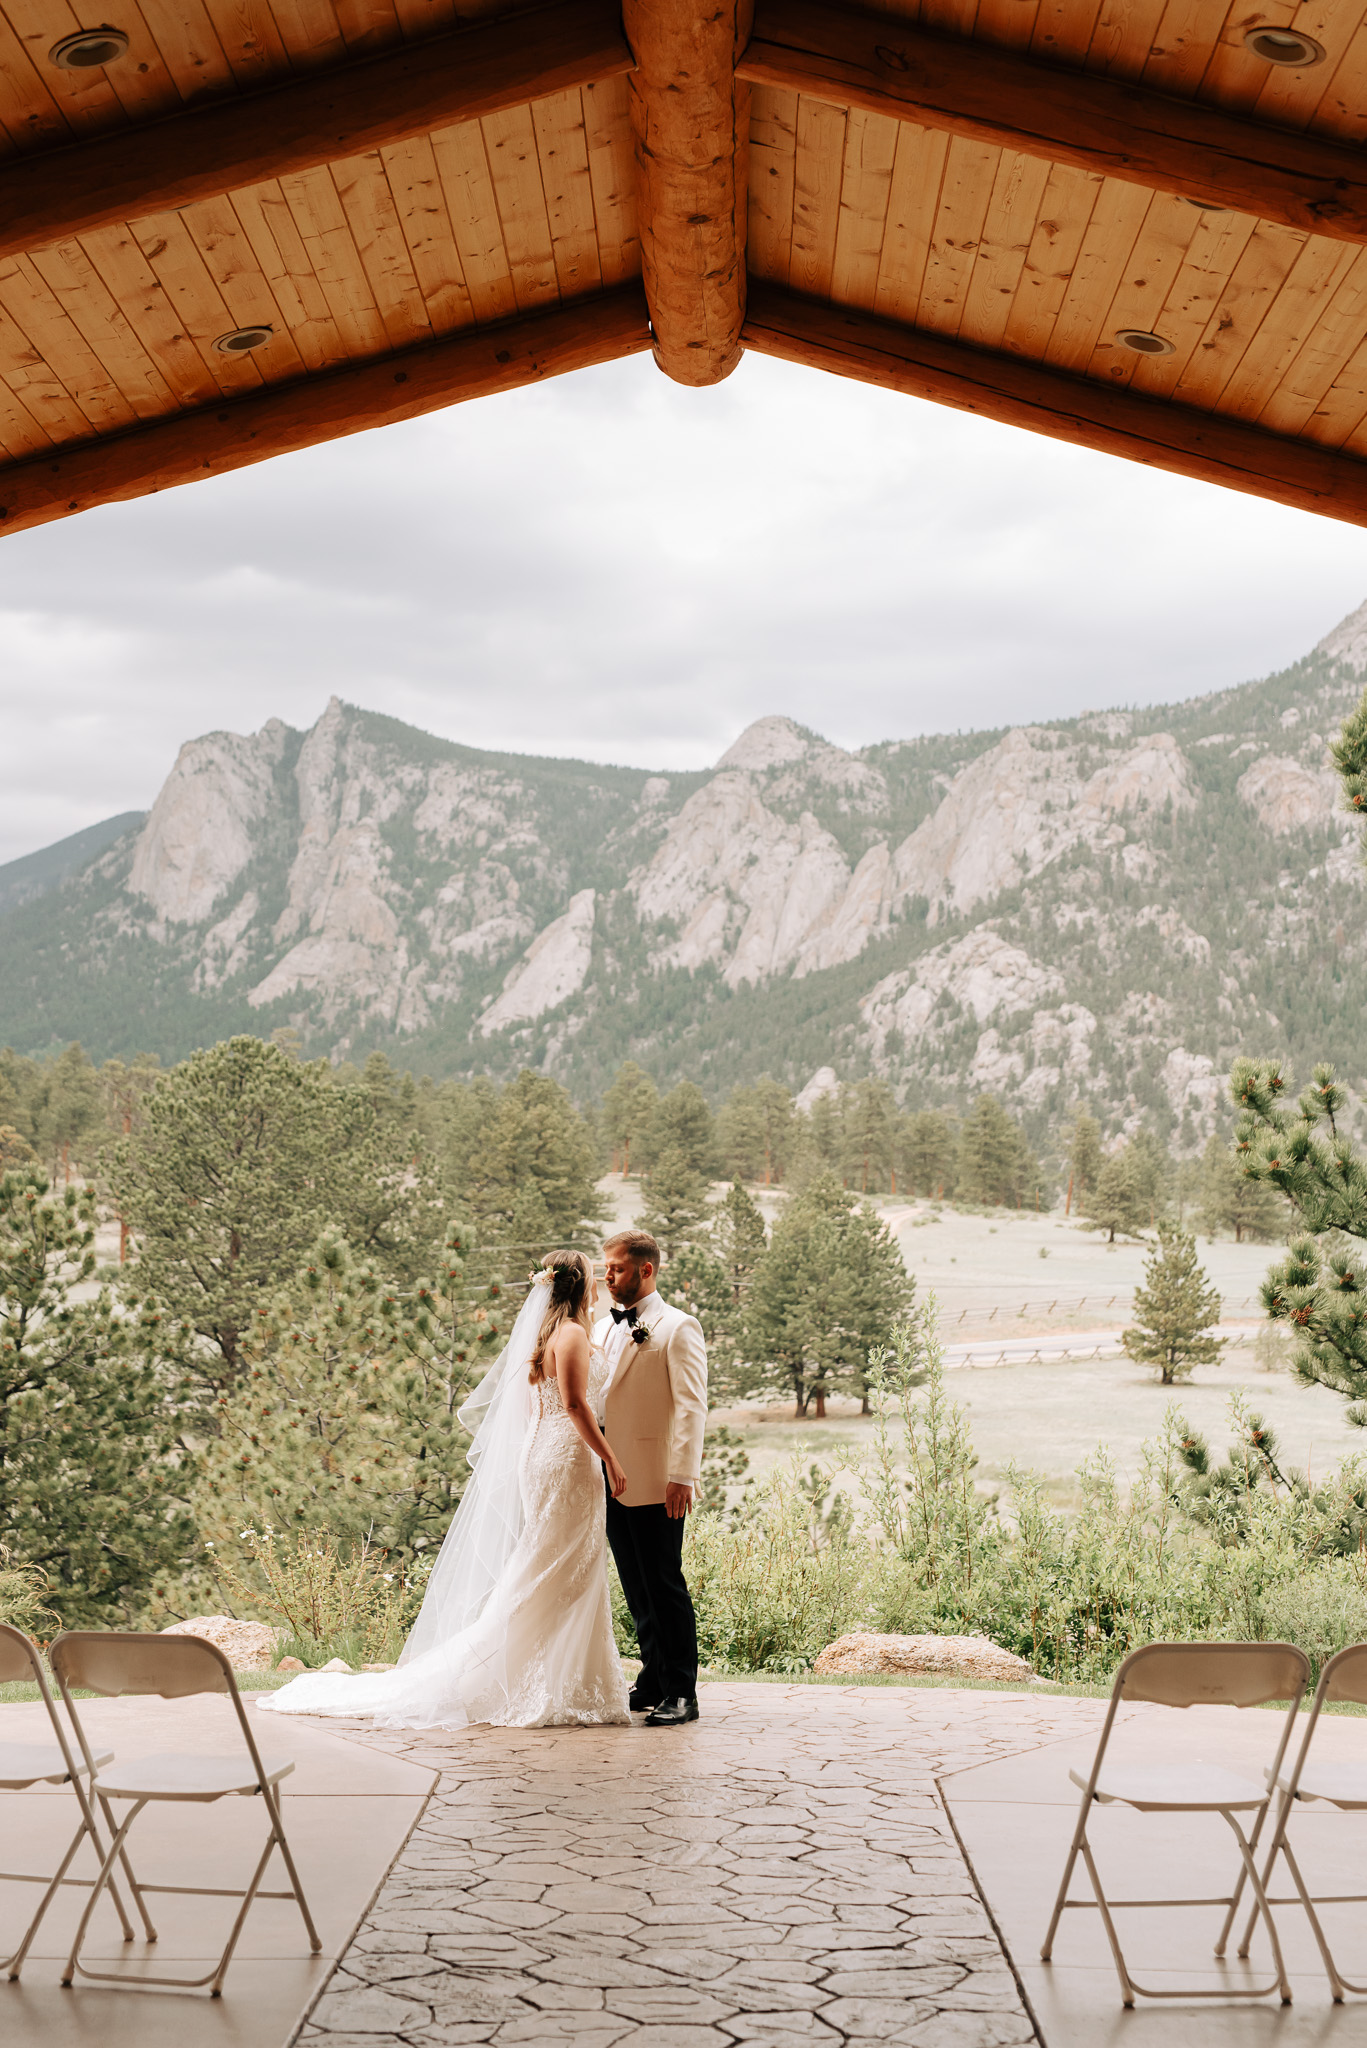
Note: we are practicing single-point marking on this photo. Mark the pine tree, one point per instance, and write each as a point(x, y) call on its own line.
point(755, 1132)
point(1116, 1204)
point(818, 1142)
point(14, 1149)
point(675, 1202)
point(628, 1110)
point(1320, 1288)
point(1175, 1310)
point(345, 1418)
point(243, 1156)
point(93, 1474)
point(996, 1166)
point(712, 1280)
point(827, 1291)
point(929, 1149)
point(1084, 1158)
point(533, 1169)
point(1231, 1201)
point(683, 1123)
point(869, 1124)
point(1151, 1169)
point(68, 1112)
point(739, 1238)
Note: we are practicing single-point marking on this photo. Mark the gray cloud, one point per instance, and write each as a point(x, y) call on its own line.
point(611, 567)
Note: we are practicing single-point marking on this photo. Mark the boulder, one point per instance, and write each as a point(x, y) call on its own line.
point(247, 1645)
point(291, 1664)
point(931, 1656)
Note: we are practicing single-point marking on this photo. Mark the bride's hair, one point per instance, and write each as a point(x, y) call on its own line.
point(570, 1275)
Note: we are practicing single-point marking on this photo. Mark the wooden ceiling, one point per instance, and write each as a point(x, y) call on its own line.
point(422, 202)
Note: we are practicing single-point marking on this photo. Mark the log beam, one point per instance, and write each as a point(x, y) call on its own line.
point(293, 126)
point(887, 66)
point(215, 439)
point(691, 127)
point(1090, 415)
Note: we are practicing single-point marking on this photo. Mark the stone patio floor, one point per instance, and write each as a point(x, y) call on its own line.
point(780, 1872)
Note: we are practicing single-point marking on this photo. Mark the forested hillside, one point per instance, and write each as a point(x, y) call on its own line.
point(1104, 910)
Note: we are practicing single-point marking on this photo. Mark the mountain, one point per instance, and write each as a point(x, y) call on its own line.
point(33, 874)
point(1107, 907)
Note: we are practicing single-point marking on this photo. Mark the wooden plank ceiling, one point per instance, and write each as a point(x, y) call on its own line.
point(420, 203)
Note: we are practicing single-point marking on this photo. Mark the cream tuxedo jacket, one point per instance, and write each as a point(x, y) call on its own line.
point(656, 1408)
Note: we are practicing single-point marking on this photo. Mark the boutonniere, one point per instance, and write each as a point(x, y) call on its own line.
point(641, 1333)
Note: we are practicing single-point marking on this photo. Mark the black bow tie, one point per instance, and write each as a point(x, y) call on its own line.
point(624, 1315)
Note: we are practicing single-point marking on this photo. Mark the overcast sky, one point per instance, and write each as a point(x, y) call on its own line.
point(613, 567)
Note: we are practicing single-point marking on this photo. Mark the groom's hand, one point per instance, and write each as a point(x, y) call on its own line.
point(678, 1500)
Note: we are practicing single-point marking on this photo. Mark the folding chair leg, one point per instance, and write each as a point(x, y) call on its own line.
point(1260, 1896)
point(278, 1826)
point(133, 1885)
point(101, 1881)
point(216, 1989)
point(87, 1828)
point(1112, 1935)
point(214, 1978)
point(1238, 1892)
point(16, 1961)
point(1278, 1843)
point(1079, 1832)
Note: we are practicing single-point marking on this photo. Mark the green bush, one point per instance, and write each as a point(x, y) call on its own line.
point(910, 1545)
point(1321, 1613)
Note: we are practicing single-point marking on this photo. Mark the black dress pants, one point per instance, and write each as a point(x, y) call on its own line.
point(647, 1548)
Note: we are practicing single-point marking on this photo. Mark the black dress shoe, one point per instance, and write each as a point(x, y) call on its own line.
point(639, 1702)
point(673, 1713)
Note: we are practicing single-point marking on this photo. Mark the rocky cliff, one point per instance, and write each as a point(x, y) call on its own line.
point(1104, 908)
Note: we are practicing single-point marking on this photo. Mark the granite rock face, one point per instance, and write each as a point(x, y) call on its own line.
point(1023, 805)
point(201, 831)
point(554, 968)
point(1287, 796)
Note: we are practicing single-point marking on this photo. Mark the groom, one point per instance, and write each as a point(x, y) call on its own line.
point(654, 1412)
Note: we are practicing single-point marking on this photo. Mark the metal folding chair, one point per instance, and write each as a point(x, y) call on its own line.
point(1187, 1675)
point(60, 1762)
point(1343, 1785)
point(175, 1667)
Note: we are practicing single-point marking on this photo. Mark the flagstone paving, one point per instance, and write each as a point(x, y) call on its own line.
point(781, 1873)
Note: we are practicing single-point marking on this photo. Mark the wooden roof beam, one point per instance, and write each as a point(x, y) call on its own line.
point(316, 119)
point(887, 66)
point(1047, 401)
point(193, 446)
point(691, 124)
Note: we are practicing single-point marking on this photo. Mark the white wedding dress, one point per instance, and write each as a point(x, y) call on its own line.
point(516, 1627)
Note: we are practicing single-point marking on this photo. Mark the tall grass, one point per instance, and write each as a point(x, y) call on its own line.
point(326, 1598)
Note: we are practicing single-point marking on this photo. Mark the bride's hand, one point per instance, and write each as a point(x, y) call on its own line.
point(617, 1478)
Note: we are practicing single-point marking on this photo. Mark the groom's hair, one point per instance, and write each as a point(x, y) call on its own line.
point(638, 1243)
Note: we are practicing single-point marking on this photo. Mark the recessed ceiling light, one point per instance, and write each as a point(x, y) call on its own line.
point(242, 340)
point(1143, 343)
point(89, 49)
point(1284, 46)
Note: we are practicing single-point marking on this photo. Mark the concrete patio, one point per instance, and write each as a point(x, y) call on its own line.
point(801, 1867)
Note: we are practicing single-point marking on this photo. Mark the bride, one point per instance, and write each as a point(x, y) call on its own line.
point(516, 1625)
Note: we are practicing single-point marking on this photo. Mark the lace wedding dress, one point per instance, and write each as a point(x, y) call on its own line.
point(539, 1653)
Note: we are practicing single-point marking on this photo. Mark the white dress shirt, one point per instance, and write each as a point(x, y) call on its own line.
point(617, 1342)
